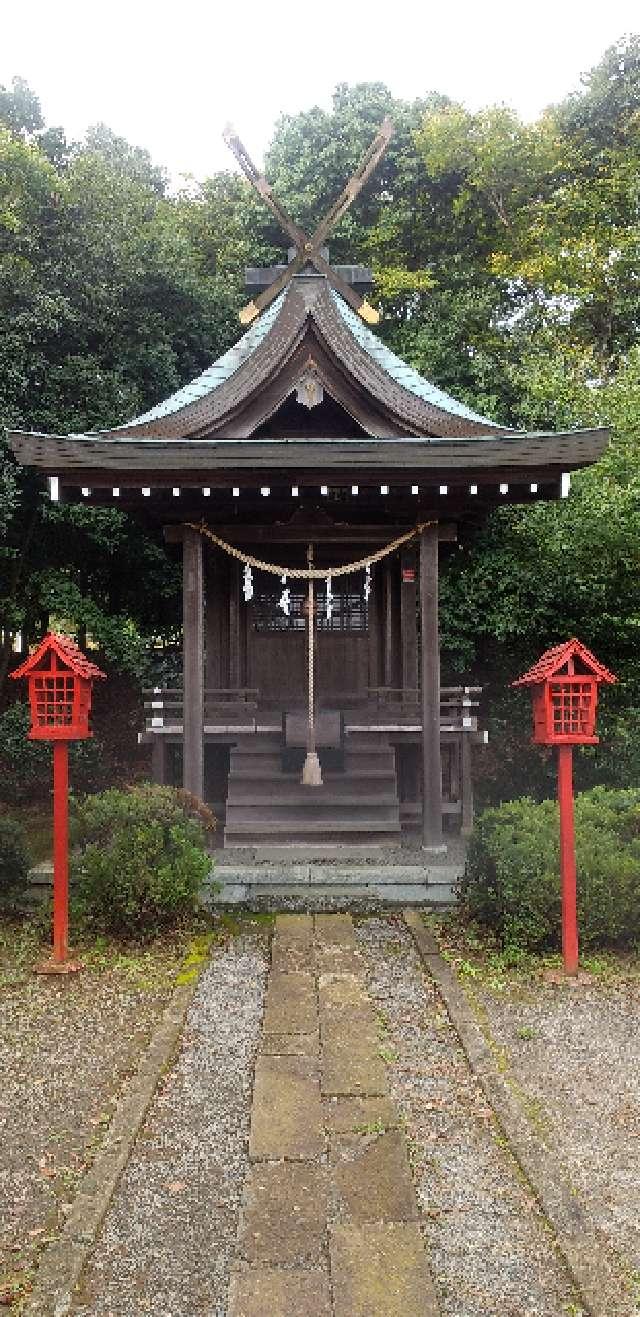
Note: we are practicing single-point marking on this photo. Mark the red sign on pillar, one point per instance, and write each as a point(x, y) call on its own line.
point(564, 685)
point(59, 681)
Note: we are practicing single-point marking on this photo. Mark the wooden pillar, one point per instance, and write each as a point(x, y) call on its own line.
point(373, 617)
point(234, 626)
point(215, 677)
point(388, 664)
point(159, 760)
point(466, 784)
point(193, 663)
point(409, 624)
point(430, 690)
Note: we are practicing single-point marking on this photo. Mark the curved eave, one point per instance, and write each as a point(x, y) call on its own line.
point(70, 456)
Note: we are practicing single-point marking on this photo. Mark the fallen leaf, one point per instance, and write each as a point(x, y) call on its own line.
point(176, 1186)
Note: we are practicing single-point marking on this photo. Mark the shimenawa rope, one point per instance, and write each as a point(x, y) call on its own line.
point(309, 573)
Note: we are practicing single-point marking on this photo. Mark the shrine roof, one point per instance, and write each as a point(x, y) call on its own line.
point(308, 325)
point(220, 422)
point(225, 366)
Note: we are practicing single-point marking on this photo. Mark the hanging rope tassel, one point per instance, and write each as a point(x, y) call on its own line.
point(284, 601)
point(247, 583)
point(311, 770)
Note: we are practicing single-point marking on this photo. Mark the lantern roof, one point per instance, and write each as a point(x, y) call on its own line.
point(555, 659)
point(67, 651)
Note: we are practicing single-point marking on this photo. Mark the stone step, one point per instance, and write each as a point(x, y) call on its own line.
point(299, 829)
point(296, 793)
point(281, 816)
point(354, 760)
point(258, 772)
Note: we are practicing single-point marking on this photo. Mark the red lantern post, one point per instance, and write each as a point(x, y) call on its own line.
point(564, 685)
point(59, 678)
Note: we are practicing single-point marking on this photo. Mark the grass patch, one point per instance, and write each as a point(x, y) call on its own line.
point(481, 964)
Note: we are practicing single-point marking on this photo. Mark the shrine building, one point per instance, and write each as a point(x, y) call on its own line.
point(313, 482)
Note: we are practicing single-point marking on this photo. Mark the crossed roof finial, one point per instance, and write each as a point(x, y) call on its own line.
point(308, 249)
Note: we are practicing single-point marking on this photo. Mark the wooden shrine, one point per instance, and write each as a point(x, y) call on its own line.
point(310, 446)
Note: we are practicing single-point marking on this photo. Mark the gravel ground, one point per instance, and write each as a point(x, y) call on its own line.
point(66, 1046)
point(169, 1236)
point(575, 1053)
point(491, 1250)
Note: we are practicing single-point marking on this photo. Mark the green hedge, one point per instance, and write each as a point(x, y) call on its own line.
point(511, 882)
point(25, 766)
point(141, 858)
point(15, 860)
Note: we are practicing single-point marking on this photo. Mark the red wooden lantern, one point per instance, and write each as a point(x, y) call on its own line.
point(59, 678)
point(564, 685)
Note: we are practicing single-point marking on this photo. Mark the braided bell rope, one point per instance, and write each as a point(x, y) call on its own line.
point(311, 661)
point(309, 573)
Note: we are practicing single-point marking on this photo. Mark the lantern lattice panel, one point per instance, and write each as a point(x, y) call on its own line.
point(54, 699)
point(572, 706)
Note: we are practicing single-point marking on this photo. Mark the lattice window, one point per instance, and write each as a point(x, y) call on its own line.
point(572, 708)
point(54, 700)
point(349, 613)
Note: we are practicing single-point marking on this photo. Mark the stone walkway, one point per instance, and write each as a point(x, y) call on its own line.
point(330, 1223)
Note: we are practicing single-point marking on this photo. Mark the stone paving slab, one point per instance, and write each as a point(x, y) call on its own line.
point(345, 996)
point(352, 1115)
point(290, 1044)
point(290, 1005)
point(339, 960)
point(285, 1217)
point(294, 930)
point(335, 930)
point(351, 1065)
point(268, 1292)
point(291, 957)
point(371, 1178)
point(380, 1271)
point(286, 1118)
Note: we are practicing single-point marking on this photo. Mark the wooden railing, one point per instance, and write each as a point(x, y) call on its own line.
point(458, 706)
point(227, 705)
point(231, 706)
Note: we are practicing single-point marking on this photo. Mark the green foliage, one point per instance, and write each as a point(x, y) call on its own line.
point(25, 766)
point(142, 859)
point(511, 883)
point(15, 860)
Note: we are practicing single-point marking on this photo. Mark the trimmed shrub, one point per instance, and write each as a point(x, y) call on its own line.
point(142, 858)
point(511, 882)
point(15, 860)
point(25, 766)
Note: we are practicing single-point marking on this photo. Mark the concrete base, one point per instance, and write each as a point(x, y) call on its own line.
point(314, 886)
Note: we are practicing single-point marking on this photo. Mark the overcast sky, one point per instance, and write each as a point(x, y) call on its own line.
point(168, 77)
